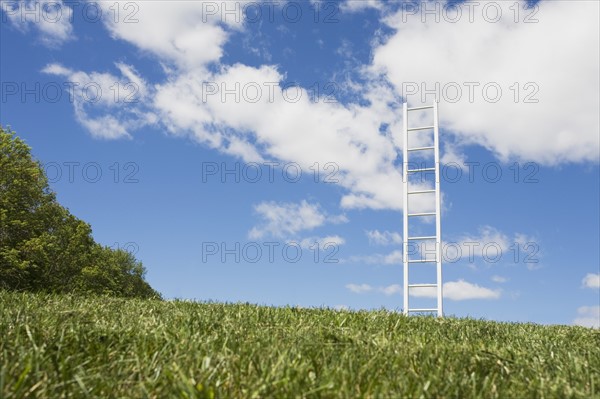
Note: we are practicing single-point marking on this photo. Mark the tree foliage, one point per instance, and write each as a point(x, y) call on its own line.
point(43, 247)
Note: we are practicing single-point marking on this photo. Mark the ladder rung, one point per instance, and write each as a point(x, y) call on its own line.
point(421, 192)
point(422, 214)
point(422, 238)
point(422, 261)
point(412, 129)
point(422, 310)
point(422, 285)
point(421, 148)
point(421, 170)
point(419, 108)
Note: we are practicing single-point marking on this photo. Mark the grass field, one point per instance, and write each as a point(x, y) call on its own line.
point(66, 346)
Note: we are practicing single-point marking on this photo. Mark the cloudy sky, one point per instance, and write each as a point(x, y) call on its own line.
point(251, 151)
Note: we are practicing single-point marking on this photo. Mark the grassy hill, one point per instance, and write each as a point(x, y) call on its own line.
point(68, 346)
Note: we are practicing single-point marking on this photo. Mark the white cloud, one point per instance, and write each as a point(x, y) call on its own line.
point(453, 159)
point(489, 244)
point(364, 288)
point(359, 288)
point(486, 235)
point(189, 34)
point(499, 279)
point(337, 219)
point(588, 316)
point(591, 280)
point(189, 43)
point(494, 246)
point(383, 238)
point(461, 290)
point(458, 291)
point(345, 49)
point(287, 218)
point(391, 289)
point(52, 18)
point(324, 243)
point(304, 132)
point(264, 122)
point(563, 63)
point(361, 5)
point(108, 106)
point(392, 258)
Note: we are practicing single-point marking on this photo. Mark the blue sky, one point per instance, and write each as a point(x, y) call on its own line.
point(196, 135)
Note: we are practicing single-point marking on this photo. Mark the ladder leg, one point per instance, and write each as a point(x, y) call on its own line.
point(405, 206)
point(438, 224)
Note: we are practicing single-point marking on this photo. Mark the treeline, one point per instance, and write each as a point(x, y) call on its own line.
point(43, 247)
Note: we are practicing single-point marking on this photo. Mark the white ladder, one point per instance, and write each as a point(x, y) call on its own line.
point(436, 191)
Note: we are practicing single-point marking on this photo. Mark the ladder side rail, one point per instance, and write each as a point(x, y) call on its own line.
point(405, 206)
point(438, 224)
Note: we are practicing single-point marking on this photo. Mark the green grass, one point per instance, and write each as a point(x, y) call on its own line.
point(67, 346)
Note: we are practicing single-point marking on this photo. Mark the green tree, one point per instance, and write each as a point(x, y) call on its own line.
point(26, 205)
point(43, 246)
